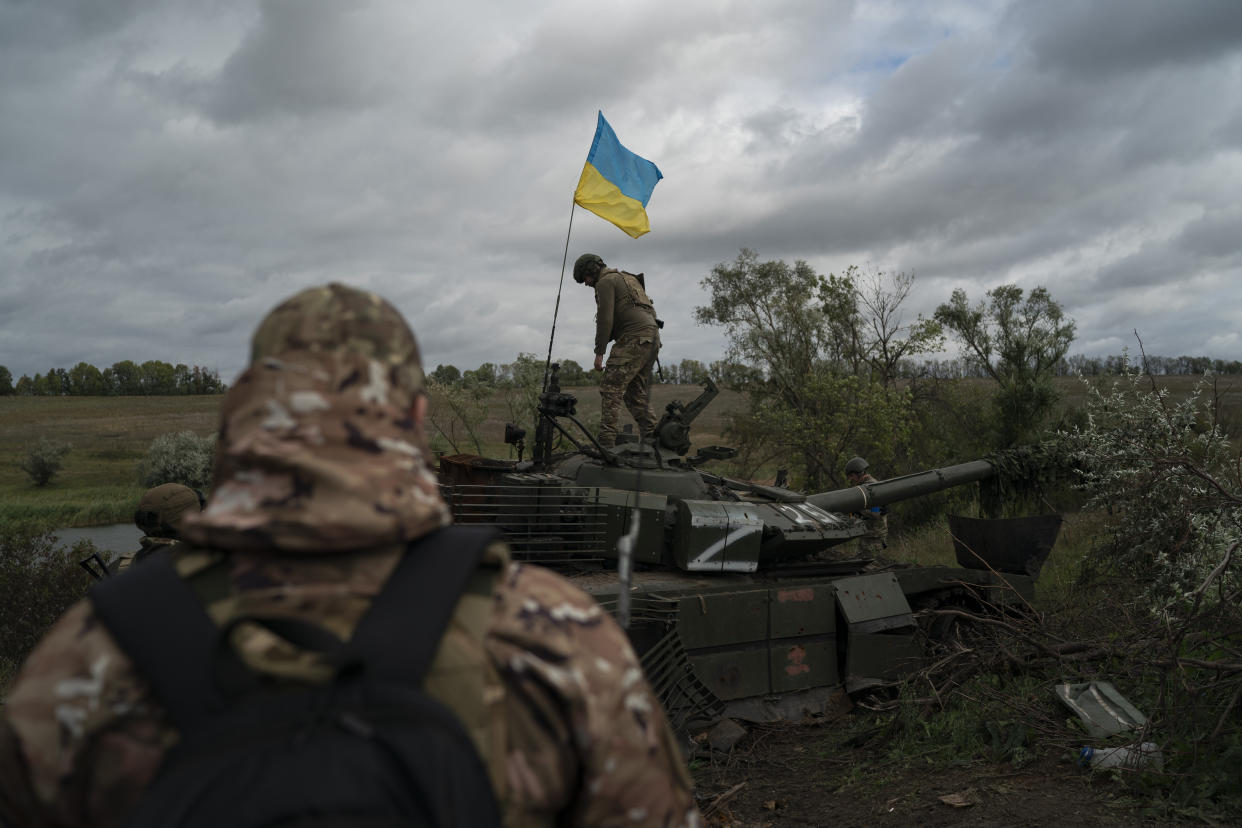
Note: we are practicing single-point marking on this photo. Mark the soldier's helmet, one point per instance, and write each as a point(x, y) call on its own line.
point(161, 509)
point(587, 265)
point(856, 465)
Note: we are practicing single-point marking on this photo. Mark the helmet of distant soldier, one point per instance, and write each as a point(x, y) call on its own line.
point(587, 266)
point(856, 465)
point(161, 509)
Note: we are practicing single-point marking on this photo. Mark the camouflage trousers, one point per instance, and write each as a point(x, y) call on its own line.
point(627, 378)
point(876, 539)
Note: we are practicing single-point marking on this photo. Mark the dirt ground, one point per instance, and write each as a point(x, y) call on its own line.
point(783, 775)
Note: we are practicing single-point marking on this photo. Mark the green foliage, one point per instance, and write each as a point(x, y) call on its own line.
point(484, 375)
point(1165, 574)
point(178, 457)
point(521, 391)
point(456, 413)
point(445, 374)
point(6, 382)
point(44, 460)
point(1168, 477)
point(822, 356)
point(86, 380)
point(1017, 343)
point(39, 582)
point(124, 378)
point(573, 374)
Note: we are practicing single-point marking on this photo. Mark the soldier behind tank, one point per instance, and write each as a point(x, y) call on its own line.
point(320, 485)
point(876, 539)
point(624, 313)
point(159, 516)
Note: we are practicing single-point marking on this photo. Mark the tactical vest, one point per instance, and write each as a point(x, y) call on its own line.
point(636, 290)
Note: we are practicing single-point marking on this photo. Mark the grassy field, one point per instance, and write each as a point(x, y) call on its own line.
point(109, 435)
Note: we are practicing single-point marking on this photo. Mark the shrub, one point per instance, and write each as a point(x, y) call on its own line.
point(39, 581)
point(44, 460)
point(178, 457)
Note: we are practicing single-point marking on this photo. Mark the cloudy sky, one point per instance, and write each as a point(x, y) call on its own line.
point(170, 169)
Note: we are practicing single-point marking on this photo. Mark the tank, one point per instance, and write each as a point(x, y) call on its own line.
point(742, 599)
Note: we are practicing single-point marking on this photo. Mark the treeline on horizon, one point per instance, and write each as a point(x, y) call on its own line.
point(731, 374)
point(157, 378)
point(122, 379)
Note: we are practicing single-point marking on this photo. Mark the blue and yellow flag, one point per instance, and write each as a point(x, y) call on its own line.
point(616, 184)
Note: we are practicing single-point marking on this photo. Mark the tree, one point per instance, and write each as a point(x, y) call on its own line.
point(1018, 344)
point(126, 378)
point(24, 387)
point(6, 382)
point(183, 379)
point(455, 413)
point(889, 341)
point(522, 389)
point(485, 374)
point(572, 374)
point(55, 387)
point(691, 372)
point(446, 374)
point(813, 358)
point(85, 380)
point(158, 378)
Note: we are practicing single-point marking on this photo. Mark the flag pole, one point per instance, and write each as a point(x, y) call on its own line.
point(547, 366)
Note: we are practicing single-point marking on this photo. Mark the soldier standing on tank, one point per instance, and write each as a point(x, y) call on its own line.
point(320, 486)
point(876, 539)
point(624, 313)
point(159, 516)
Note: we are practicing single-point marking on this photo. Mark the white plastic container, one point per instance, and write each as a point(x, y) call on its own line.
point(1146, 755)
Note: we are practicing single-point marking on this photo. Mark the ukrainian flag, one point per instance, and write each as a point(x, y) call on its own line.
point(616, 184)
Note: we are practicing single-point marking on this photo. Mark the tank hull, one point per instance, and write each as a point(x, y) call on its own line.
point(739, 644)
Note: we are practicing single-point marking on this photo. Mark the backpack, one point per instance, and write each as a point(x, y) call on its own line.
point(370, 748)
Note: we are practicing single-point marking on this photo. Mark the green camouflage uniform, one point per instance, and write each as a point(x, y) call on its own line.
point(146, 546)
point(624, 313)
point(320, 483)
point(876, 539)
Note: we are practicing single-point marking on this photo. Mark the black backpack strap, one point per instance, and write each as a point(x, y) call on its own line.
point(161, 624)
point(417, 602)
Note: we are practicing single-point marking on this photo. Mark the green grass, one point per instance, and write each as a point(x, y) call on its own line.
point(98, 482)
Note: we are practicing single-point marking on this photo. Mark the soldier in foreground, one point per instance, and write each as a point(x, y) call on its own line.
point(624, 313)
point(876, 539)
point(321, 493)
point(159, 516)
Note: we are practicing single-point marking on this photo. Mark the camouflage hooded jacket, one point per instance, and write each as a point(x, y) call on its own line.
point(320, 484)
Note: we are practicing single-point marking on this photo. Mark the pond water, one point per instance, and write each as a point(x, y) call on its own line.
point(119, 537)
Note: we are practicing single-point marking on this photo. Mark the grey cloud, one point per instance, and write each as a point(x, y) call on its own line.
point(40, 25)
point(303, 57)
point(1215, 234)
point(1117, 36)
point(1151, 265)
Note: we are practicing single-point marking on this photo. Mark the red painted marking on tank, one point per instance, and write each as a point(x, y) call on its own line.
point(797, 655)
point(799, 595)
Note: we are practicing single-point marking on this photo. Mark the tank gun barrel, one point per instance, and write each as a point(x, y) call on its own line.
point(883, 492)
